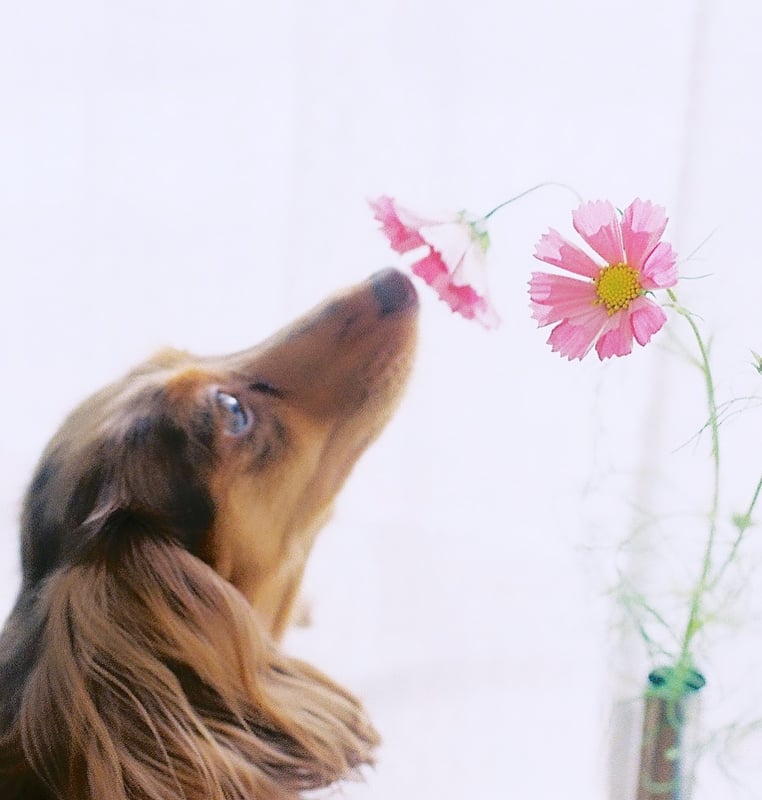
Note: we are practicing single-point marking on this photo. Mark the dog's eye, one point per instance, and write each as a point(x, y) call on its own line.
point(236, 419)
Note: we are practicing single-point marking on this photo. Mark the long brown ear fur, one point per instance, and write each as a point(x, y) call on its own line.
point(155, 681)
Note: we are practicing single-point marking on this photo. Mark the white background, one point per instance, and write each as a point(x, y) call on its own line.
point(195, 173)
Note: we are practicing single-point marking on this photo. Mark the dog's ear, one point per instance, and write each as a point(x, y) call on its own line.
point(152, 476)
point(154, 681)
point(150, 471)
point(151, 677)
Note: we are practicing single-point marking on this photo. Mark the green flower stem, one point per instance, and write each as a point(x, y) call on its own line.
point(685, 661)
point(747, 515)
point(529, 191)
point(742, 522)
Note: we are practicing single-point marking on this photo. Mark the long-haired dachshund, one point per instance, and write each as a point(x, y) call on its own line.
point(164, 538)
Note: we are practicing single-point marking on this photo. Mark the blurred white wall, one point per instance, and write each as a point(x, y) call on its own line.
point(195, 173)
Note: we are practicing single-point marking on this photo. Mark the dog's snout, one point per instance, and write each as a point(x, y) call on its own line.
point(393, 291)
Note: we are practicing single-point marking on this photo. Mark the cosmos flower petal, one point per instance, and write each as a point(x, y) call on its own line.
point(646, 319)
point(554, 249)
point(412, 220)
point(462, 299)
point(472, 270)
point(643, 224)
point(660, 270)
point(457, 247)
point(616, 338)
point(557, 297)
point(573, 341)
point(598, 224)
point(402, 235)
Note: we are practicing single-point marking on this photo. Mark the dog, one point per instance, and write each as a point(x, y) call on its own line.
point(164, 537)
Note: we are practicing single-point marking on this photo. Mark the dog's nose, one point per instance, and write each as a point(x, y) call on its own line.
point(393, 290)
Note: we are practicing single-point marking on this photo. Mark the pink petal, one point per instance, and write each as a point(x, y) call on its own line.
point(464, 300)
point(461, 253)
point(660, 270)
point(486, 315)
point(412, 220)
point(402, 237)
point(556, 297)
point(616, 338)
point(554, 249)
point(573, 341)
point(598, 224)
point(646, 319)
point(642, 226)
point(472, 269)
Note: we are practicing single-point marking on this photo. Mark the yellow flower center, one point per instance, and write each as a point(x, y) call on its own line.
point(617, 285)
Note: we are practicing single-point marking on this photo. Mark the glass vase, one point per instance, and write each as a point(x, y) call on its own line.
point(670, 713)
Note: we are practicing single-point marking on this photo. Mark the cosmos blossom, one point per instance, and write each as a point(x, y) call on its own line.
point(452, 258)
point(608, 306)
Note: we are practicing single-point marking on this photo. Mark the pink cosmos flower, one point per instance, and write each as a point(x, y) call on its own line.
point(610, 308)
point(453, 263)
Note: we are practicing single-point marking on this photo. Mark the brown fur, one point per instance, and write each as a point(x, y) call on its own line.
point(162, 552)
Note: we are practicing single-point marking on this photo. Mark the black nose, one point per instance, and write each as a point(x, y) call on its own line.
point(393, 290)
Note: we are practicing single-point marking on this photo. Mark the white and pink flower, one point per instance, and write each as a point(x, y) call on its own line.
point(453, 262)
point(612, 307)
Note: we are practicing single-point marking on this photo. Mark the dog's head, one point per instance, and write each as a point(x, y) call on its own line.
point(164, 538)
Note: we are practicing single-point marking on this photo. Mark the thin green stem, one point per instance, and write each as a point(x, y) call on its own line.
point(697, 596)
point(529, 191)
point(754, 499)
point(743, 522)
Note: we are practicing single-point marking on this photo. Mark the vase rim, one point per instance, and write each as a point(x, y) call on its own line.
point(686, 681)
